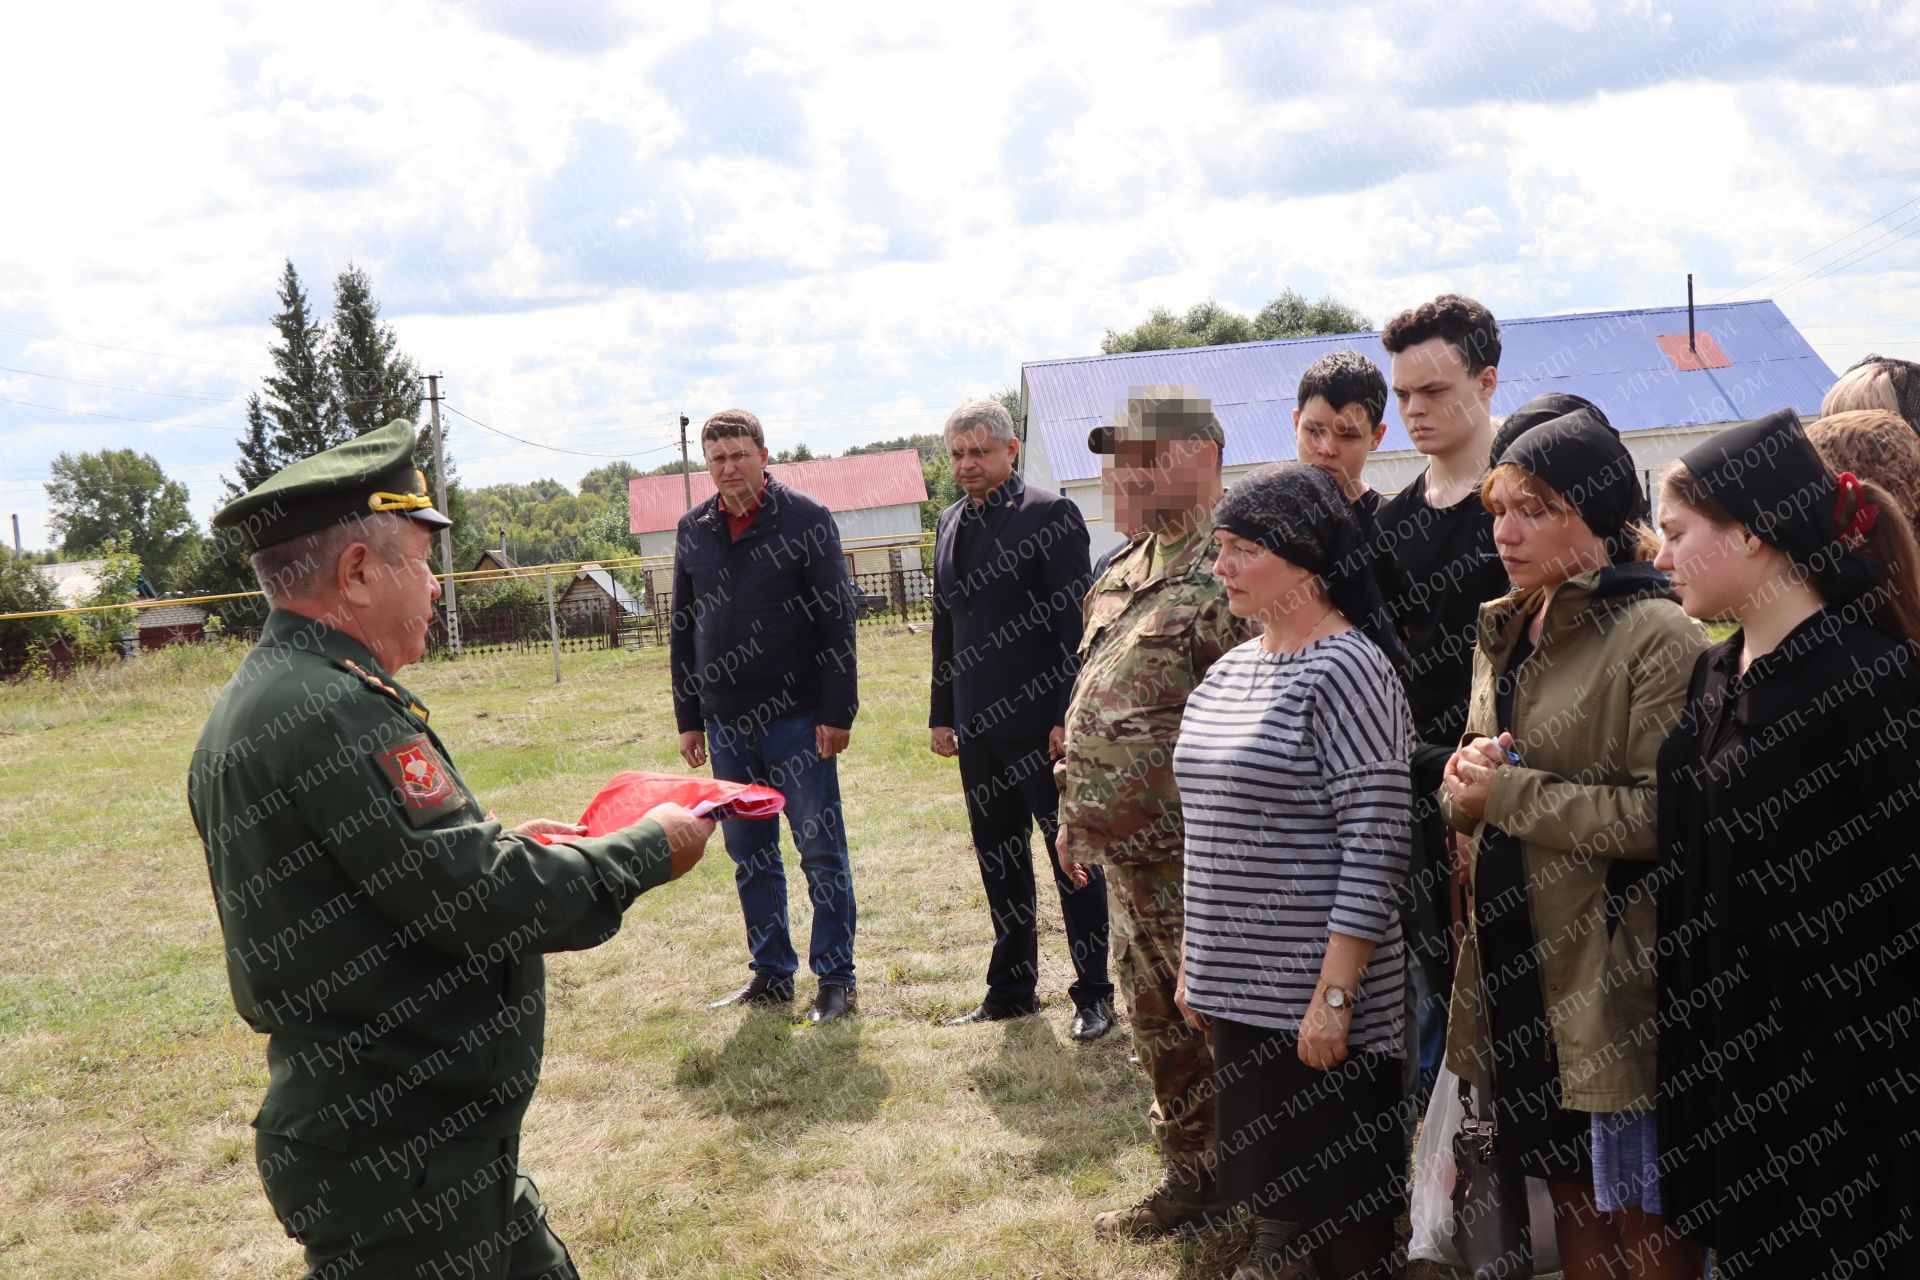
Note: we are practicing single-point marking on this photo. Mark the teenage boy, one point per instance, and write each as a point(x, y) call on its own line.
point(1438, 539)
point(1338, 421)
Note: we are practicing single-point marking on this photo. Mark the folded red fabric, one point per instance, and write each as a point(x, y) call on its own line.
point(627, 798)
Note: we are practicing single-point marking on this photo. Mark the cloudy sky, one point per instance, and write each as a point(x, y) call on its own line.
point(851, 217)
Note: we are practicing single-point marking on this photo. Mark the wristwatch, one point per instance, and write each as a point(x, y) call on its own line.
point(1337, 997)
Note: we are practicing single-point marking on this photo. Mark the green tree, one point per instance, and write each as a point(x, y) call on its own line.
point(258, 458)
point(302, 402)
point(97, 636)
point(798, 453)
point(119, 494)
point(610, 481)
point(931, 445)
point(375, 381)
point(1209, 324)
point(1292, 316)
point(24, 589)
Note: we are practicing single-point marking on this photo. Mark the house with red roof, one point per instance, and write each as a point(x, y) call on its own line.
point(875, 499)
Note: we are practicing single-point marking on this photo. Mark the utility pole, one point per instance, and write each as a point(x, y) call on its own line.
point(16, 535)
point(440, 500)
point(686, 474)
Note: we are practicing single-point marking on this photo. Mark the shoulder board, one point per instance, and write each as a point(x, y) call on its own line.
point(382, 687)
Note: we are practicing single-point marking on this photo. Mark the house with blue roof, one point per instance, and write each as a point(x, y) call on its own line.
point(1663, 387)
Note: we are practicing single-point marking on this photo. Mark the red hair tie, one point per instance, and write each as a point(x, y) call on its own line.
point(1864, 513)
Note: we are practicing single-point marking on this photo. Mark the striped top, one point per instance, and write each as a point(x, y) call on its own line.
point(1293, 778)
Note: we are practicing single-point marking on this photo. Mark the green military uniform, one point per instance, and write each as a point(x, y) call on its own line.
point(381, 932)
point(1154, 626)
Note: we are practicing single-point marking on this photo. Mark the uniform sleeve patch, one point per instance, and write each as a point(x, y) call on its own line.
point(424, 780)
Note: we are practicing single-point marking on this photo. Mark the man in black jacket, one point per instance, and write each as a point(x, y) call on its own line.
point(1010, 571)
point(763, 674)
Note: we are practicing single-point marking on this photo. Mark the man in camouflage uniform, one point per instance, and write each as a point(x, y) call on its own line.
point(1156, 619)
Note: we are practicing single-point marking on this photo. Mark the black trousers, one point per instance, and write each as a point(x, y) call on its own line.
point(1009, 787)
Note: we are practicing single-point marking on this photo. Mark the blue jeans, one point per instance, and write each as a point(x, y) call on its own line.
point(781, 755)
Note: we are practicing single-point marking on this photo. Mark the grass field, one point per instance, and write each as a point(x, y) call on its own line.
point(667, 1140)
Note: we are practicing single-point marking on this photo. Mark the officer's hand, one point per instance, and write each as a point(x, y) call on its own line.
point(943, 743)
point(1066, 845)
point(686, 835)
point(548, 827)
point(829, 741)
point(1056, 742)
point(693, 748)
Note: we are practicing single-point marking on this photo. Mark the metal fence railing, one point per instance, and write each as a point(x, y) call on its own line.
point(893, 596)
point(558, 607)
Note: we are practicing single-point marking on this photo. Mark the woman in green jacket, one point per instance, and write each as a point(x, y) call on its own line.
point(1579, 673)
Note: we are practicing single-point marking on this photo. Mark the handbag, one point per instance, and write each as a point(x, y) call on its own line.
point(1490, 1212)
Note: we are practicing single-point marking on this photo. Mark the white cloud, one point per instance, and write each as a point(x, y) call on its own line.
point(851, 217)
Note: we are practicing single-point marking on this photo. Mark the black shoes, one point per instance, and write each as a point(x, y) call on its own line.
point(764, 992)
point(768, 992)
point(1092, 1021)
point(832, 1004)
point(994, 1013)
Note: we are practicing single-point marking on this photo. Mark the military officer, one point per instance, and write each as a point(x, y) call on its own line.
point(381, 930)
point(1156, 619)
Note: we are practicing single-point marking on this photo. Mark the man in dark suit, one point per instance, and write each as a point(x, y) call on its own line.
point(1010, 571)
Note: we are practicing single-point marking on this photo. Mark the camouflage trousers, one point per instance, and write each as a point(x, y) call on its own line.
point(1147, 921)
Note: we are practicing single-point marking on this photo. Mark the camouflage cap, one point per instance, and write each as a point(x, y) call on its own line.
point(1159, 413)
point(374, 472)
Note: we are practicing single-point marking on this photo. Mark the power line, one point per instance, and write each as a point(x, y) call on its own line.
point(116, 386)
point(1872, 248)
point(112, 417)
point(1822, 249)
point(138, 351)
point(584, 453)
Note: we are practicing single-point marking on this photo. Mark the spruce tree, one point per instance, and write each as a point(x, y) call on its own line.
point(302, 403)
point(376, 382)
point(258, 459)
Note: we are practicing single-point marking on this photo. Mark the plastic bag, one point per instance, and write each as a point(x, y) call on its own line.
point(628, 796)
point(1431, 1211)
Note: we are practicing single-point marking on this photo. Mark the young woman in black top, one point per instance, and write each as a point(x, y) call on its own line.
point(1789, 795)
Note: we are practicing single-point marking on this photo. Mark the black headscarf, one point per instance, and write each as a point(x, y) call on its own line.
point(1581, 456)
point(1297, 511)
point(1768, 476)
point(1542, 409)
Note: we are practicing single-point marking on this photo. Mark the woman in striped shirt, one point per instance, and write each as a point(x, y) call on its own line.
point(1292, 765)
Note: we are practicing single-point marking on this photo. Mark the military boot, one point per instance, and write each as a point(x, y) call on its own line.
point(1272, 1256)
point(1188, 1200)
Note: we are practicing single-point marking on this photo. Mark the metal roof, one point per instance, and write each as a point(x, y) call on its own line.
point(1612, 358)
point(623, 599)
point(889, 479)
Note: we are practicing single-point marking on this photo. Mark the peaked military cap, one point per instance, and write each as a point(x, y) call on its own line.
point(374, 472)
point(1159, 413)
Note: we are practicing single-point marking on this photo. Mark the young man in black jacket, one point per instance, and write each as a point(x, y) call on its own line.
point(762, 657)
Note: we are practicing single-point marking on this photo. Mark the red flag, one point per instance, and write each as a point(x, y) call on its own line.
point(627, 798)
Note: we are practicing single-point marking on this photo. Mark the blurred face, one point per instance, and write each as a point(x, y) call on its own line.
point(1337, 441)
point(1261, 585)
point(981, 464)
point(1715, 569)
point(394, 597)
point(1444, 406)
point(1538, 545)
point(738, 467)
point(1160, 485)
